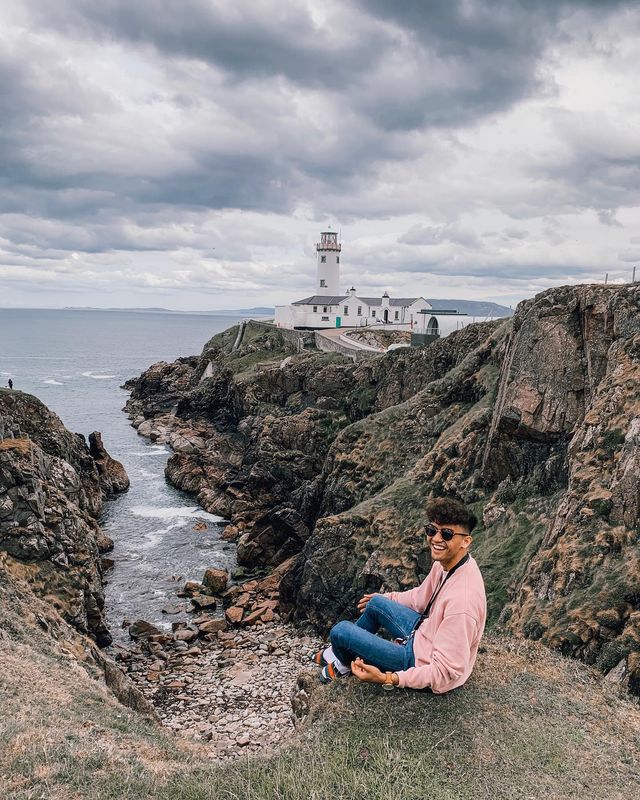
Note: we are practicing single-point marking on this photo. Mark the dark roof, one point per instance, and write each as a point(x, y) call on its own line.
point(321, 300)
point(334, 300)
point(394, 301)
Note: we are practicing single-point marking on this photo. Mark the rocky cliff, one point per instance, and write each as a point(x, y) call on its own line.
point(51, 492)
point(534, 421)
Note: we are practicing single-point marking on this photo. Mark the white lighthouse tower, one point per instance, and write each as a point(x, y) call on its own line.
point(328, 266)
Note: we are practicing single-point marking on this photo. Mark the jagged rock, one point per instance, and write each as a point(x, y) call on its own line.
point(50, 496)
point(492, 513)
point(111, 474)
point(48, 641)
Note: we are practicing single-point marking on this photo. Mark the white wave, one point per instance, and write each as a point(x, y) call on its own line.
point(53, 382)
point(152, 538)
point(96, 377)
point(174, 512)
point(152, 451)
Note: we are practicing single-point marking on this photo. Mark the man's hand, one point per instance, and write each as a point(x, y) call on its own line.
point(364, 601)
point(366, 672)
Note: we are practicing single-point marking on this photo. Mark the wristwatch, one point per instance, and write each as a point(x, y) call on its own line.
point(388, 681)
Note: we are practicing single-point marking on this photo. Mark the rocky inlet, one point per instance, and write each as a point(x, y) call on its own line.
point(227, 680)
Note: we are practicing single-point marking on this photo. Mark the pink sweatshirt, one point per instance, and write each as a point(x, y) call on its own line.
point(446, 644)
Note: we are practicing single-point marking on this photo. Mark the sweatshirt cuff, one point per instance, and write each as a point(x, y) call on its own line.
point(403, 683)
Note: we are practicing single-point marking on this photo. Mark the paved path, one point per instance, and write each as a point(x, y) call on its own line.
point(334, 334)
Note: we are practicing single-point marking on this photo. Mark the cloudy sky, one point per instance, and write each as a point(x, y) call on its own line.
point(188, 154)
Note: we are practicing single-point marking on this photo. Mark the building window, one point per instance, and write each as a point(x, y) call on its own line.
point(359, 311)
point(396, 315)
point(315, 309)
point(323, 259)
point(346, 311)
point(323, 283)
point(325, 319)
point(373, 313)
point(324, 310)
point(337, 259)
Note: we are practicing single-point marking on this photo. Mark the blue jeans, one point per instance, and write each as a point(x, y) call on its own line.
point(352, 639)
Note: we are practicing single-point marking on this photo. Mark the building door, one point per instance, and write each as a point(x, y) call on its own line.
point(386, 315)
point(338, 321)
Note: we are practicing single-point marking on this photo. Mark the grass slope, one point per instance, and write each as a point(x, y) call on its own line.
point(529, 724)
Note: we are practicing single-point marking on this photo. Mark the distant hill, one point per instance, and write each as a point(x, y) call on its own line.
point(476, 308)
point(260, 311)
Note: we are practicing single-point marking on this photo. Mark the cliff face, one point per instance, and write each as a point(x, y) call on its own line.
point(51, 492)
point(535, 421)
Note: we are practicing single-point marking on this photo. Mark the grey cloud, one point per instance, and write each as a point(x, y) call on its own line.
point(607, 216)
point(515, 233)
point(588, 180)
point(245, 39)
point(456, 60)
point(492, 268)
point(434, 235)
point(484, 55)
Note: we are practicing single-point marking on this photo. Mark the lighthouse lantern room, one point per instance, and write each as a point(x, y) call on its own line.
point(328, 266)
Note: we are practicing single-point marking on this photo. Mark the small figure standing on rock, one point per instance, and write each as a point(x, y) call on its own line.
point(10, 383)
point(436, 627)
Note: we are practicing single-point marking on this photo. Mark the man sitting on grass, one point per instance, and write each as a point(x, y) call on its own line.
point(436, 627)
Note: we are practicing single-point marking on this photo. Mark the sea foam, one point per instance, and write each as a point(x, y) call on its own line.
point(174, 512)
point(96, 377)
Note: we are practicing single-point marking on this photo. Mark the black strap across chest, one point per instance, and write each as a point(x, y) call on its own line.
point(425, 613)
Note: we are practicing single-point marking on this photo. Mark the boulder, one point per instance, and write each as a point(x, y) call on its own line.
point(230, 534)
point(185, 635)
point(215, 580)
point(234, 614)
point(212, 626)
point(192, 587)
point(204, 601)
point(104, 542)
point(141, 629)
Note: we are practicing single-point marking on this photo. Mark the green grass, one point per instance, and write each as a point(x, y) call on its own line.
point(503, 550)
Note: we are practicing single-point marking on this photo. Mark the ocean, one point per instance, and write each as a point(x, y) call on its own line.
point(76, 362)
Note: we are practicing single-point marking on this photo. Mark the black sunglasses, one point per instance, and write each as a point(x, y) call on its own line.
point(446, 533)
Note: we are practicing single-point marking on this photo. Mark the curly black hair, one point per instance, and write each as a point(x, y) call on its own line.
point(445, 510)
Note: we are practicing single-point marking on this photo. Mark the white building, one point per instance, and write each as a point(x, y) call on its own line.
point(329, 308)
point(437, 323)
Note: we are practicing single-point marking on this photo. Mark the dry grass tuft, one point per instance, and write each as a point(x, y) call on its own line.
point(22, 445)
